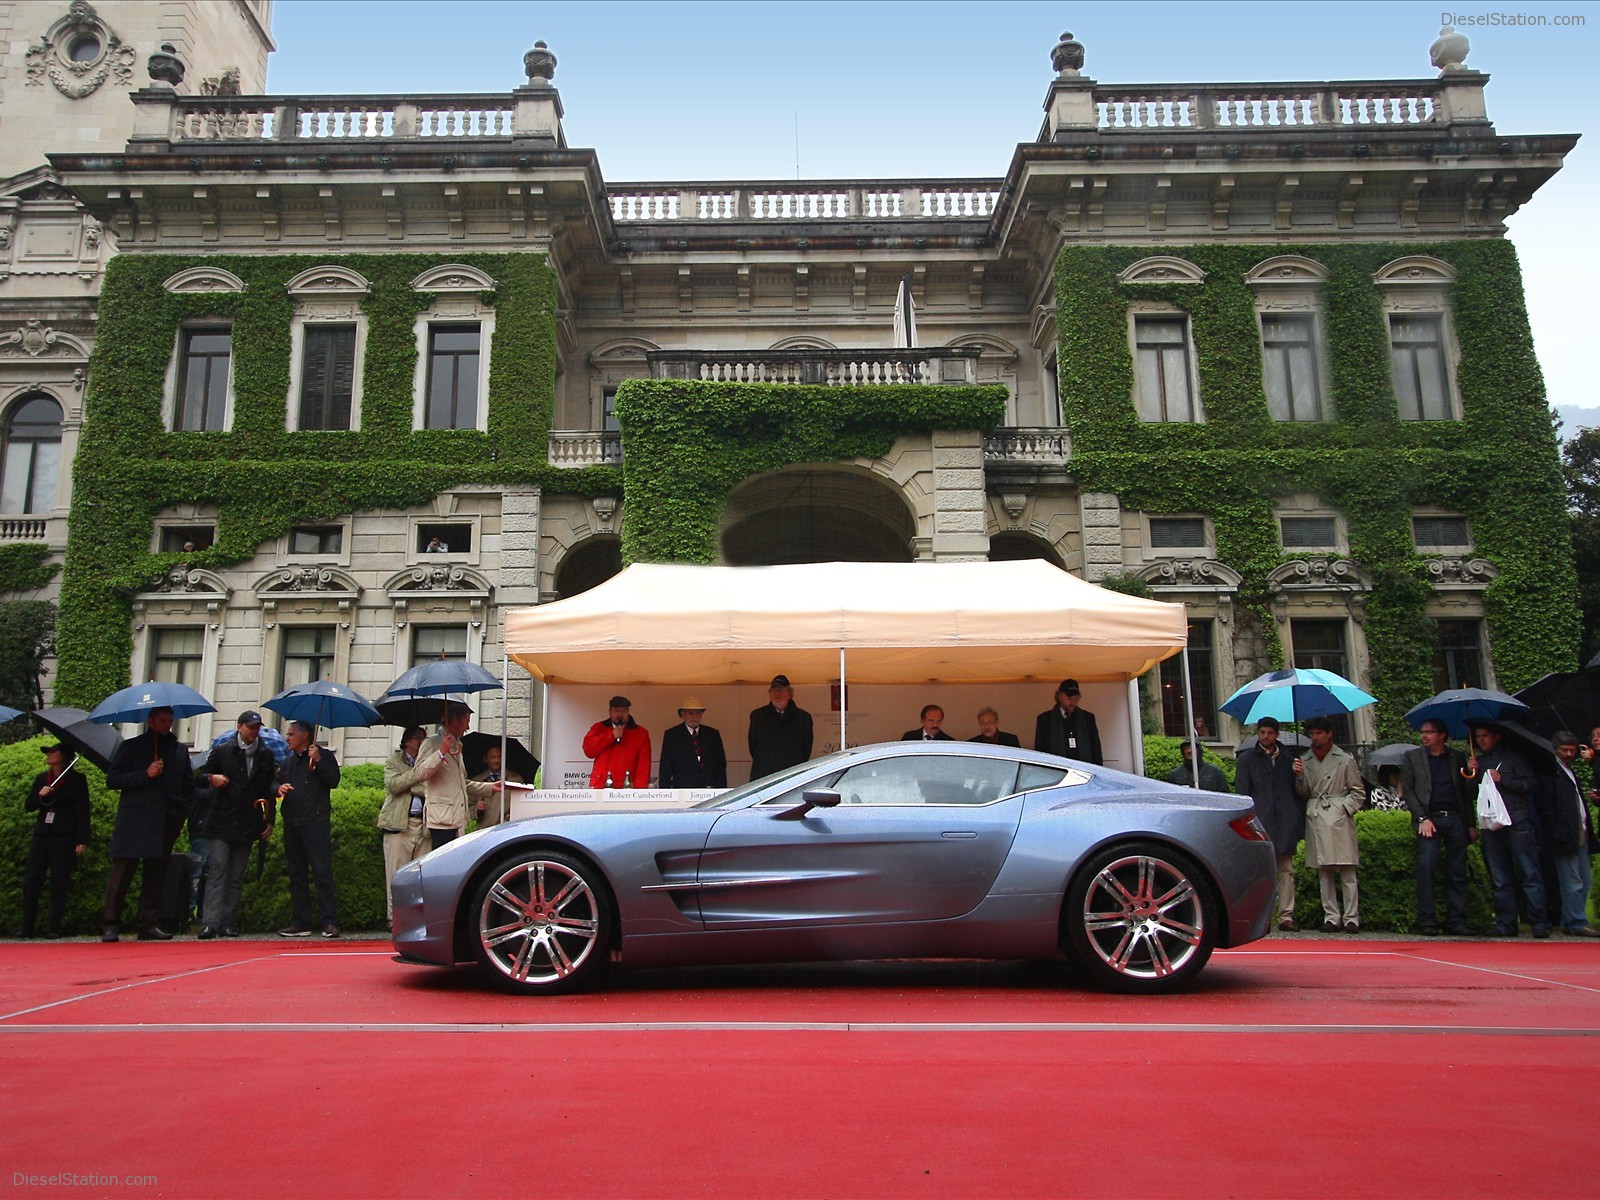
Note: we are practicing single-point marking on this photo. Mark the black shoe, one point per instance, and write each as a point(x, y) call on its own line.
point(1330, 927)
point(295, 930)
point(109, 934)
point(207, 932)
point(330, 930)
point(154, 934)
point(1541, 931)
point(1286, 925)
point(1351, 927)
point(1500, 931)
point(1428, 930)
point(1458, 931)
point(229, 931)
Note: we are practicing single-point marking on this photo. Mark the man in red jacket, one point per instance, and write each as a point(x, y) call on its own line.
point(620, 747)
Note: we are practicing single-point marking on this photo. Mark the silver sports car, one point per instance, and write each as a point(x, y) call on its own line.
point(898, 850)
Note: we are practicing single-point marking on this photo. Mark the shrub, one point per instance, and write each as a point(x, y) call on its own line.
point(1164, 755)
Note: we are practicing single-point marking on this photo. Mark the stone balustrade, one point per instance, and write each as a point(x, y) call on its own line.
point(1044, 446)
point(213, 119)
point(23, 529)
point(1128, 108)
point(956, 200)
point(586, 448)
point(832, 368)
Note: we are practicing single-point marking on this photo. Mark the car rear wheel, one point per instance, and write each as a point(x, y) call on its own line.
point(1141, 917)
point(541, 922)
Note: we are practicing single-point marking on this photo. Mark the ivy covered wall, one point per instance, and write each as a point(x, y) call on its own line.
point(1498, 465)
point(263, 479)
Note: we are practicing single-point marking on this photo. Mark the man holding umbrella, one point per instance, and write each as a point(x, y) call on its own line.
point(241, 772)
point(1433, 786)
point(446, 787)
point(1330, 781)
point(1512, 853)
point(305, 780)
point(1266, 774)
point(153, 774)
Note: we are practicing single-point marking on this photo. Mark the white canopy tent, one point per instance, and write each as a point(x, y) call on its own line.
point(899, 623)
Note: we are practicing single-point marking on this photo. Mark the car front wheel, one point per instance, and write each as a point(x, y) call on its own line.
point(541, 922)
point(1141, 918)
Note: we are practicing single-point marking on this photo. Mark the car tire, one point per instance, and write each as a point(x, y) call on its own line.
point(540, 922)
point(1140, 917)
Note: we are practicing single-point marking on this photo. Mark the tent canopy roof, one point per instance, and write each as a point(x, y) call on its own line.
point(965, 622)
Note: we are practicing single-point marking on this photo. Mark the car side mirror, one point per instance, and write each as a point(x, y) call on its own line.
point(812, 798)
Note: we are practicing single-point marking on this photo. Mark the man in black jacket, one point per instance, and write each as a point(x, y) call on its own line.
point(305, 780)
point(931, 729)
point(1512, 853)
point(153, 773)
point(1067, 730)
point(691, 753)
point(1564, 820)
point(990, 733)
point(60, 835)
point(780, 732)
point(241, 773)
point(1265, 773)
point(1444, 818)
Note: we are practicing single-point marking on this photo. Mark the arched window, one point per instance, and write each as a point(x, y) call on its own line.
point(32, 456)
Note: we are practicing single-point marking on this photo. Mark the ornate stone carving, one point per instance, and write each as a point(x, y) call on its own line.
point(226, 84)
point(1191, 573)
point(1067, 57)
point(1415, 271)
point(1449, 51)
point(37, 340)
point(452, 277)
point(605, 507)
point(540, 65)
point(1461, 572)
point(1325, 574)
point(1162, 268)
point(79, 53)
point(328, 280)
point(204, 279)
point(310, 579)
point(165, 66)
point(184, 579)
point(438, 578)
point(93, 231)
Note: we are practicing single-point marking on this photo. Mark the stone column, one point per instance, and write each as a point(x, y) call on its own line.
point(518, 586)
point(960, 508)
point(1102, 535)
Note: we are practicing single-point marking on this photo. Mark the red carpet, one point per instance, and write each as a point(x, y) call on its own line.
point(841, 1112)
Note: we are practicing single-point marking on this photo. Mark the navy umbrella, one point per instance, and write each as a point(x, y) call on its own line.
point(1462, 708)
point(7, 713)
point(136, 703)
point(442, 677)
point(97, 743)
point(322, 703)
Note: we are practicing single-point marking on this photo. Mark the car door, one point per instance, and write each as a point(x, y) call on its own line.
point(916, 837)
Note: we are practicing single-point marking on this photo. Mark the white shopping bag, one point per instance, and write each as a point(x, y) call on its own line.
point(1492, 812)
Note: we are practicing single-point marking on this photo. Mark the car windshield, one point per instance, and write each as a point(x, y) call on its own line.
point(777, 779)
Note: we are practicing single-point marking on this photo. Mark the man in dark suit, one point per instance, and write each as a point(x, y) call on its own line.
point(1565, 822)
point(1067, 730)
point(305, 780)
point(691, 753)
point(241, 772)
point(60, 836)
point(989, 730)
point(1444, 818)
point(780, 732)
point(930, 730)
point(153, 773)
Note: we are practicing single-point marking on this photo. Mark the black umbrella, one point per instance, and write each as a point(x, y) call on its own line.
point(409, 708)
point(519, 759)
point(1384, 757)
point(97, 743)
point(1565, 700)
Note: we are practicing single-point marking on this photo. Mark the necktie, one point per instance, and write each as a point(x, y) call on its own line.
point(694, 741)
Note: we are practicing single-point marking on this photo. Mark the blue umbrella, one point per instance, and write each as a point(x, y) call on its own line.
point(445, 675)
point(1461, 708)
point(7, 713)
point(322, 703)
point(270, 738)
point(134, 703)
point(1295, 694)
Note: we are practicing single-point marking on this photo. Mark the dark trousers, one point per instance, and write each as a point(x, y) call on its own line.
point(57, 856)
point(151, 876)
point(1513, 858)
point(1449, 842)
point(310, 846)
point(438, 837)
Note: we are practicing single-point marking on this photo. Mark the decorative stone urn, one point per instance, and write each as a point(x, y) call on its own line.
point(1067, 57)
point(1449, 51)
point(165, 66)
point(540, 65)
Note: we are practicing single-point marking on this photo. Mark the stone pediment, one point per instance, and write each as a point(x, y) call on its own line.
point(1415, 270)
point(309, 582)
point(204, 279)
point(1287, 270)
point(452, 277)
point(1319, 574)
point(1162, 268)
point(184, 580)
point(330, 280)
point(443, 579)
point(1456, 572)
point(35, 339)
point(1190, 574)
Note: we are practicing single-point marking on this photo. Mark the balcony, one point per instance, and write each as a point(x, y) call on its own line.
point(1048, 446)
point(586, 448)
point(755, 203)
point(947, 365)
point(23, 529)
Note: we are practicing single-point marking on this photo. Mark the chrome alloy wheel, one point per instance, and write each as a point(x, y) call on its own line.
point(539, 922)
point(1143, 917)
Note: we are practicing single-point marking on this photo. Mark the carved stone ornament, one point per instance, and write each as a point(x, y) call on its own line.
point(182, 578)
point(1162, 268)
point(1067, 57)
point(438, 579)
point(226, 84)
point(37, 340)
point(605, 507)
point(204, 279)
point(1191, 573)
point(1449, 51)
point(79, 53)
point(1461, 572)
point(540, 65)
point(1319, 574)
point(307, 579)
point(452, 277)
point(165, 66)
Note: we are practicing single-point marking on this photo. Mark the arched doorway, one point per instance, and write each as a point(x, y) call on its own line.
point(1013, 545)
point(588, 565)
point(816, 514)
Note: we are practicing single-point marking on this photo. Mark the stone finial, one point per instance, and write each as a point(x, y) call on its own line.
point(165, 66)
point(1067, 57)
point(1449, 51)
point(540, 65)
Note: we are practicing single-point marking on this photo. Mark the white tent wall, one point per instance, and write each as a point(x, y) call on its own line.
point(876, 713)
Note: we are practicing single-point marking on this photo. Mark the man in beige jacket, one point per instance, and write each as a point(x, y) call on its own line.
point(400, 818)
point(446, 788)
point(1330, 782)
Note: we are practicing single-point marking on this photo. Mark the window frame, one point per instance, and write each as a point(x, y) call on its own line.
point(303, 326)
point(1314, 345)
point(173, 408)
point(448, 311)
point(8, 439)
point(463, 627)
point(1145, 312)
point(1441, 345)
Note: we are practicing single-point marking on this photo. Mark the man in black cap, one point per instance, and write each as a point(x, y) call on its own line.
point(691, 753)
point(780, 731)
point(1067, 730)
point(241, 774)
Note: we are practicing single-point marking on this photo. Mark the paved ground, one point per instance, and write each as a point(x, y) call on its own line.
point(1302, 1066)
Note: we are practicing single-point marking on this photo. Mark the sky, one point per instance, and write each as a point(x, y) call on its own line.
point(739, 91)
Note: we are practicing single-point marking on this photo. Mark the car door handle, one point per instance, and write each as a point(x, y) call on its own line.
point(958, 833)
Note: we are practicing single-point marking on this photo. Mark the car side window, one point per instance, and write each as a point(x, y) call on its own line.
point(927, 779)
point(794, 796)
point(1032, 777)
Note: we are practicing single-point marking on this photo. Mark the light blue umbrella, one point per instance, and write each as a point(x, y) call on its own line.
point(1295, 694)
point(7, 713)
point(1461, 708)
point(319, 702)
point(135, 703)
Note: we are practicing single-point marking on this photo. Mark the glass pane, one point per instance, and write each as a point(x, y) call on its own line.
point(1275, 378)
point(466, 407)
point(1432, 384)
point(1175, 372)
point(1174, 722)
point(1177, 532)
point(928, 779)
point(14, 477)
point(1320, 644)
point(307, 654)
point(455, 338)
point(46, 462)
point(1304, 402)
point(1150, 392)
point(429, 640)
point(1457, 656)
point(441, 392)
point(1166, 331)
point(39, 417)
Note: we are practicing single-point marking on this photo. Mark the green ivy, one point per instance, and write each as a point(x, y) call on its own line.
point(689, 444)
point(1498, 465)
point(23, 567)
point(262, 478)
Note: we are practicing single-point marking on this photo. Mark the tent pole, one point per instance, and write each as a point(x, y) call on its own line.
point(544, 726)
point(505, 703)
point(844, 703)
point(1188, 713)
